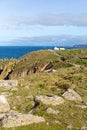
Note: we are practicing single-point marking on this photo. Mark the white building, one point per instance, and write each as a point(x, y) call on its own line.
point(62, 48)
point(57, 48)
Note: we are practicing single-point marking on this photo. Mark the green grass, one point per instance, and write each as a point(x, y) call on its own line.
point(38, 127)
point(44, 83)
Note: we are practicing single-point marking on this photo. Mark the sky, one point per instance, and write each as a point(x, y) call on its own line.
point(38, 18)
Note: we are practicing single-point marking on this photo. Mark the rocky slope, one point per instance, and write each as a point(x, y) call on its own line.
point(44, 91)
point(31, 63)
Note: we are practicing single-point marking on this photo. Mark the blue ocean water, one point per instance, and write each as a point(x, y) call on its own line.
point(18, 51)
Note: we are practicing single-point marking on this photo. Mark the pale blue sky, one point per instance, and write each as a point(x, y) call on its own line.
point(30, 18)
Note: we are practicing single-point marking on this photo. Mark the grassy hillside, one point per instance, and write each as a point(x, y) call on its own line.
point(38, 60)
point(69, 73)
point(77, 56)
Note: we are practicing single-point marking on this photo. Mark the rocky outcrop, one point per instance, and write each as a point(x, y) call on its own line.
point(50, 100)
point(6, 94)
point(34, 68)
point(81, 106)
point(46, 66)
point(22, 72)
point(4, 105)
point(15, 119)
point(8, 84)
point(52, 111)
point(6, 68)
point(70, 94)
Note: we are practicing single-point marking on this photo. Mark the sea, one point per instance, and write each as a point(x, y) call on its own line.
point(16, 52)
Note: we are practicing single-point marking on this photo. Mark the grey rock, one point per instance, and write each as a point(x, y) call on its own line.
point(54, 100)
point(70, 94)
point(8, 84)
point(50, 70)
point(27, 86)
point(52, 111)
point(29, 97)
point(57, 122)
point(2, 117)
point(4, 105)
point(81, 106)
point(15, 119)
point(6, 94)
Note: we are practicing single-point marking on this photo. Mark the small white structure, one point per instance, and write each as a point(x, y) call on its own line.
point(62, 48)
point(58, 48)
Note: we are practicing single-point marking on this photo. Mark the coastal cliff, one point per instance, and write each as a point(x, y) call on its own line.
point(44, 90)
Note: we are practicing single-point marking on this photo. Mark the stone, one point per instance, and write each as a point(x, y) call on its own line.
point(57, 122)
point(81, 106)
point(27, 86)
point(48, 100)
point(50, 70)
point(6, 94)
point(69, 127)
point(8, 84)
point(15, 119)
point(14, 89)
point(46, 67)
point(29, 97)
point(70, 94)
point(52, 111)
point(1, 117)
point(4, 105)
point(84, 128)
